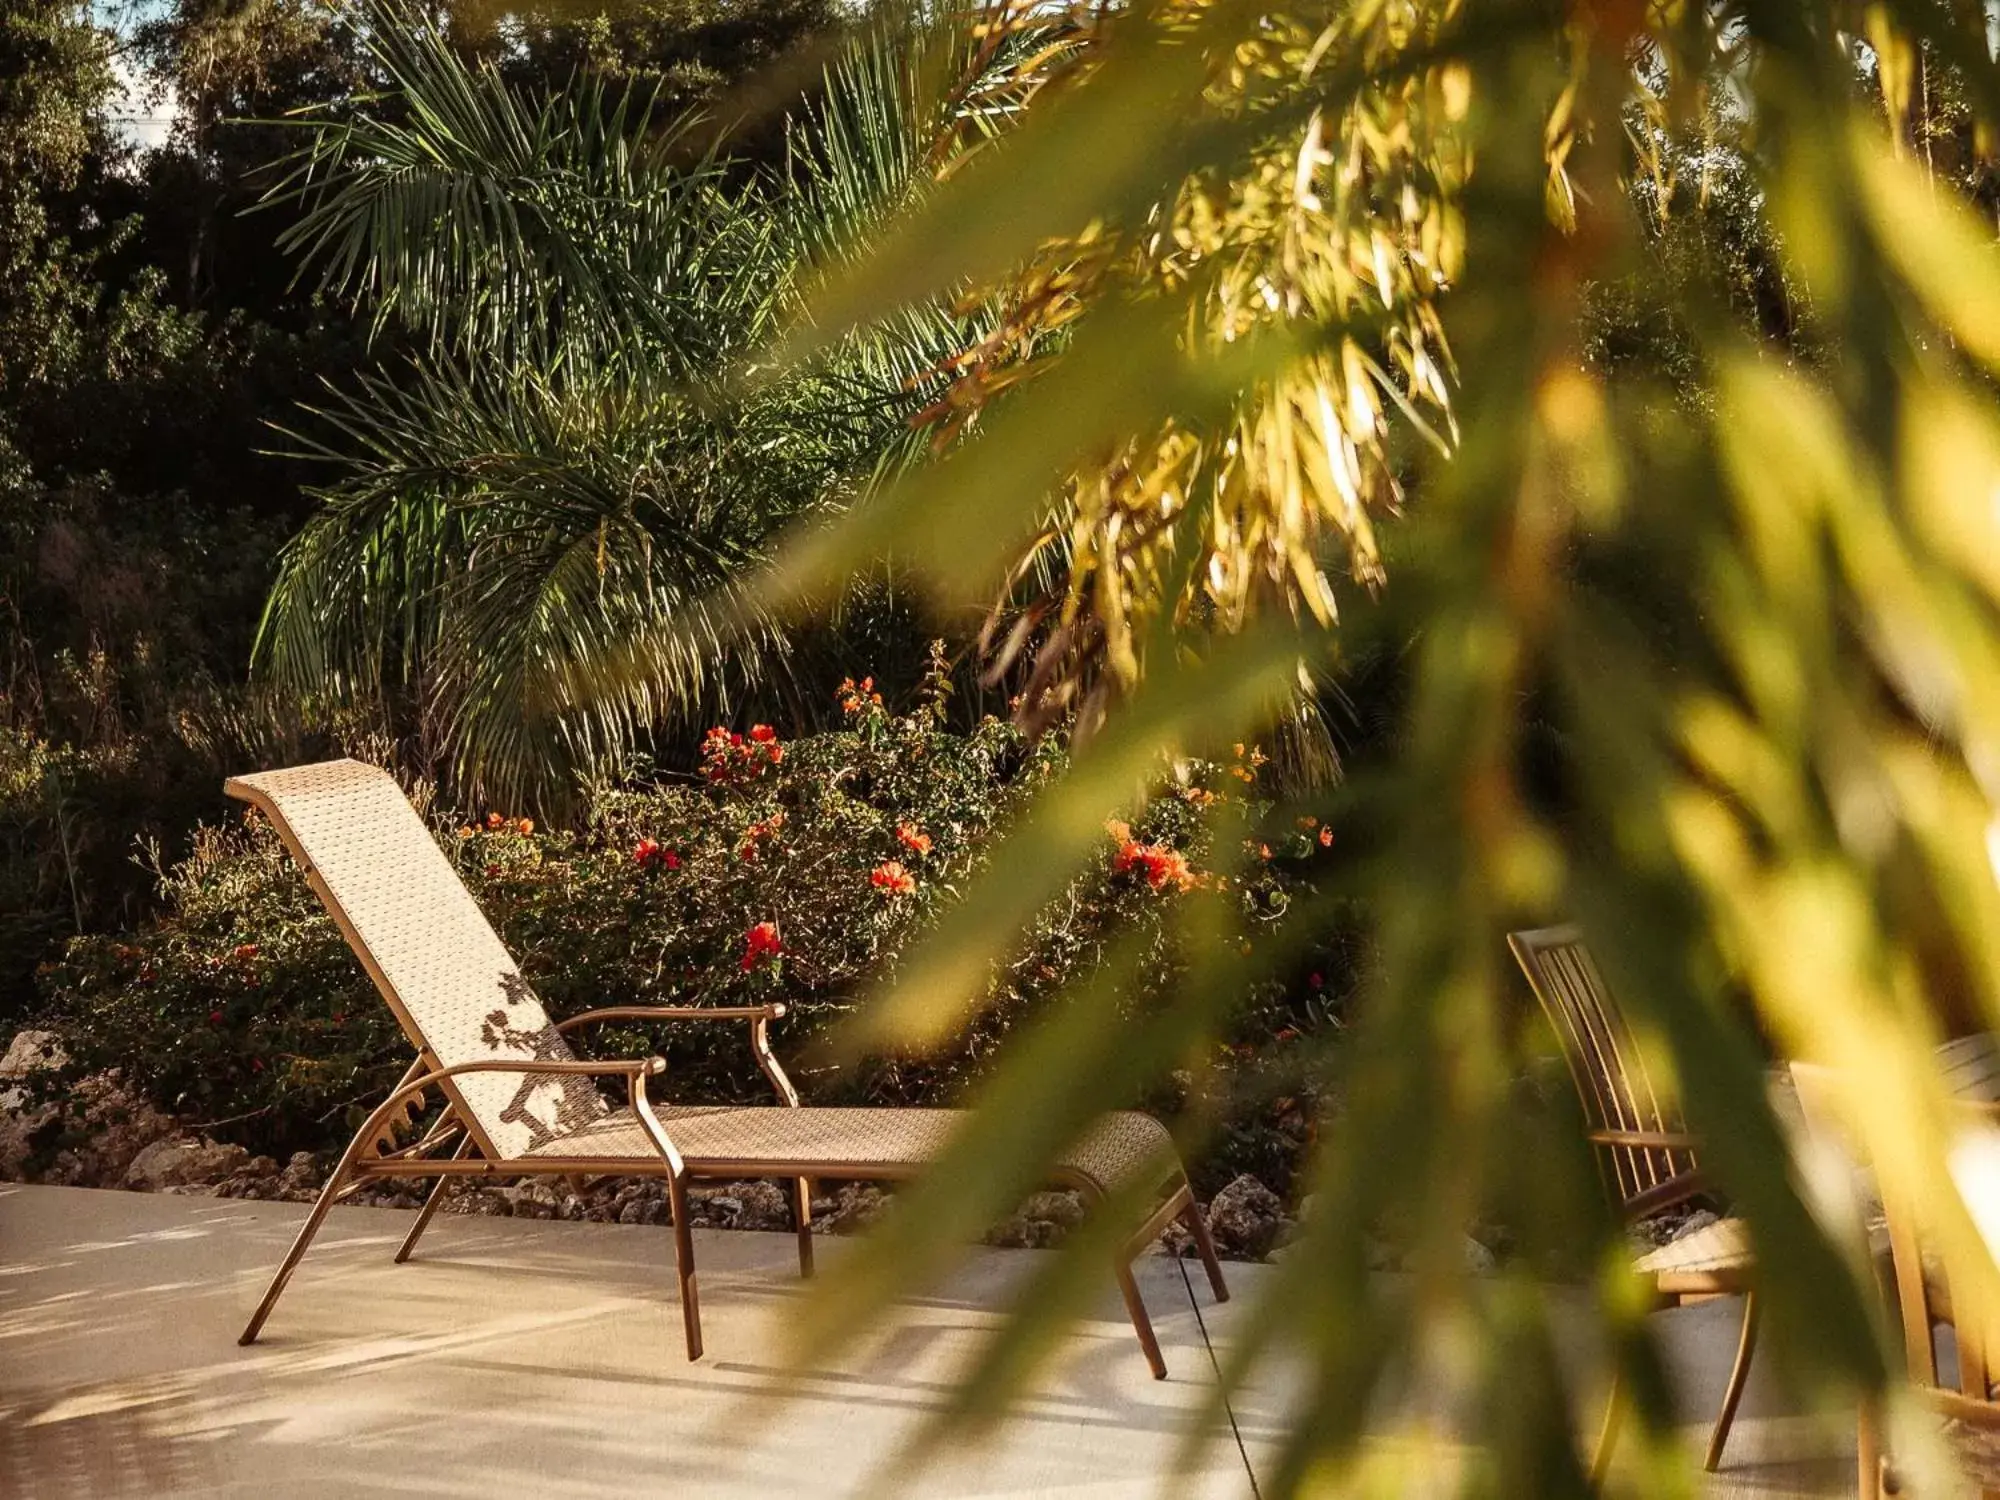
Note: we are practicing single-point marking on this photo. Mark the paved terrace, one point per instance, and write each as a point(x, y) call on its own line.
point(517, 1358)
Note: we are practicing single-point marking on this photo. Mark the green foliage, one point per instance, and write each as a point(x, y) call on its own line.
point(1707, 662)
point(243, 1005)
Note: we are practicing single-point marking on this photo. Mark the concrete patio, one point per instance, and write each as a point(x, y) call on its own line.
point(523, 1358)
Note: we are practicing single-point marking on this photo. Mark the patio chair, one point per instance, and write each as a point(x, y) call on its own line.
point(1647, 1157)
point(518, 1102)
point(1925, 1304)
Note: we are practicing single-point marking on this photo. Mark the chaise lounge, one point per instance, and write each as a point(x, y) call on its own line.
point(517, 1101)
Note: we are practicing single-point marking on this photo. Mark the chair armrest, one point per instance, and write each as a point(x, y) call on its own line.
point(629, 1067)
point(1656, 1140)
point(771, 1012)
point(1665, 1195)
point(760, 1018)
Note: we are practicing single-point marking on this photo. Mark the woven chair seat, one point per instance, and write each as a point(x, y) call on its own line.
point(1718, 1252)
point(862, 1143)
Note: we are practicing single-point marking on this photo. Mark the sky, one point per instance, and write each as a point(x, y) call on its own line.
point(147, 120)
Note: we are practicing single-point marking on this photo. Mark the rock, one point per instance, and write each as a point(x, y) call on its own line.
point(183, 1161)
point(113, 1129)
point(256, 1178)
point(31, 1052)
point(299, 1182)
point(1664, 1228)
point(1701, 1218)
point(765, 1206)
point(643, 1211)
point(23, 1131)
point(1061, 1208)
point(480, 1202)
point(855, 1207)
point(1041, 1222)
point(534, 1200)
point(1478, 1259)
point(1244, 1218)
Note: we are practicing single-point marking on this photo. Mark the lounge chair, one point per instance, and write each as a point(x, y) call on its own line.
point(1649, 1159)
point(518, 1102)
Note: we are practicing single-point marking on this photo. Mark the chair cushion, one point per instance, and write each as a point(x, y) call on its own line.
point(1715, 1257)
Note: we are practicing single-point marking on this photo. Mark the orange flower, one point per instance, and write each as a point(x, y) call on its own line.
point(526, 825)
point(1160, 866)
point(494, 820)
point(913, 838)
point(854, 697)
point(760, 942)
point(1326, 838)
point(892, 879)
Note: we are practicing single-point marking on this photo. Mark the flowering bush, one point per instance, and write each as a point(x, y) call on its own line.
point(794, 871)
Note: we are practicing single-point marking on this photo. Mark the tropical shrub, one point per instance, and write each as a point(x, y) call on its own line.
point(792, 870)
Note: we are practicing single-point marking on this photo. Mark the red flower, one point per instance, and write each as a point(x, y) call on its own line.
point(671, 860)
point(1326, 838)
point(760, 941)
point(256, 1064)
point(245, 951)
point(215, 1018)
point(1316, 979)
point(645, 852)
point(763, 734)
point(492, 872)
point(1160, 866)
point(892, 879)
point(913, 838)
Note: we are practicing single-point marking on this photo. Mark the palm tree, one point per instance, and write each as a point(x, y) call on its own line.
point(547, 507)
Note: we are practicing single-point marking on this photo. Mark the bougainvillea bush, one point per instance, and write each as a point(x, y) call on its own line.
point(794, 870)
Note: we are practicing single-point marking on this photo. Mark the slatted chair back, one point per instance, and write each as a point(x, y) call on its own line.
point(426, 944)
point(1606, 1064)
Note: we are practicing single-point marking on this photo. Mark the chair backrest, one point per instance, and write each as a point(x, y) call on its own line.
point(425, 943)
point(1605, 1062)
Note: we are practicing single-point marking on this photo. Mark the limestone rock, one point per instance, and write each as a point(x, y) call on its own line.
point(1245, 1217)
point(30, 1052)
point(183, 1161)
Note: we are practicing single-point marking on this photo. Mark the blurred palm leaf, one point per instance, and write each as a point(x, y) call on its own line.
point(1755, 613)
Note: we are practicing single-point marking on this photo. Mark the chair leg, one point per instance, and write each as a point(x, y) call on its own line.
point(1204, 1244)
point(1739, 1374)
point(1607, 1435)
point(1868, 1453)
point(298, 1250)
point(1135, 1308)
point(684, 1265)
point(802, 1215)
point(430, 1206)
